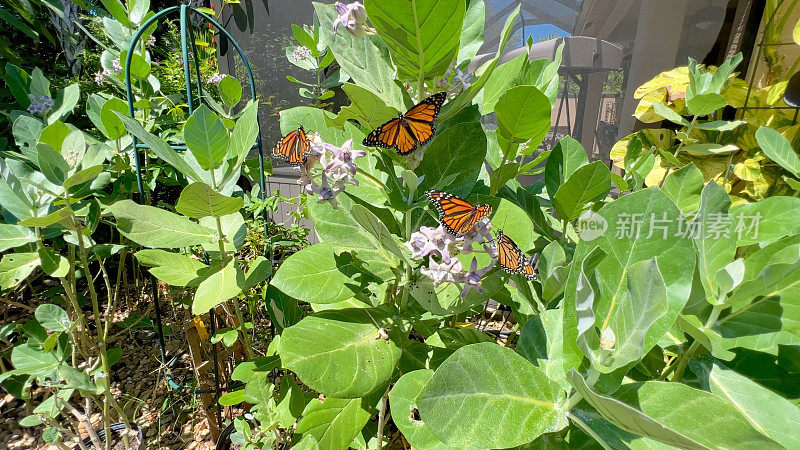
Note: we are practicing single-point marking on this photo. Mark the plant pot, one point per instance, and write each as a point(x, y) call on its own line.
point(224, 440)
point(116, 427)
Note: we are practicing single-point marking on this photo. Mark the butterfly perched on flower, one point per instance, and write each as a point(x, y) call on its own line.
point(410, 130)
point(294, 147)
point(456, 214)
point(511, 258)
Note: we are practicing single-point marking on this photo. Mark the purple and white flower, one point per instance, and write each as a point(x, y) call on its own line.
point(472, 279)
point(441, 272)
point(215, 78)
point(300, 53)
point(431, 240)
point(40, 105)
point(353, 17)
point(338, 168)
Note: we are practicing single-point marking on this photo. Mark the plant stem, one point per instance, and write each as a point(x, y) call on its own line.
point(382, 417)
point(678, 150)
point(594, 375)
point(684, 358)
point(373, 179)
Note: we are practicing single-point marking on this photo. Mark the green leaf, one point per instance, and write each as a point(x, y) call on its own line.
point(706, 149)
point(140, 68)
point(709, 339)
point(245, 371)
point(630, 419)
point(159, 147)
point(452, 162)
point(316, 274)
point(52, 164)
point(589, 183)
point(422, 36)
point(630, 238)
point(65, 102)
point(234, 231)
point(669, 114)
point(259, 270)
point(12, 236)
point(232, 398)
point(523, 114)
point(53, 264)
point(462, 412)
point(684, 186)
point(172, 268)
point(348, 340)
point(501, 80)
point(719, 125)
point(218, 288)
point(157, 228)
point(567, 156)
point(83, 176)
point(502, 175)
point(778, 149)
point(403, 397)
point(702, 416)
point(230, 91)
point(15, 267)
point(243, 137)
point(60, 215)
point(199, 200)
point(471, 38)
point(53, 317)
point(291, 402)
point(643, 303)
point(333, 422)
point(338, 228)
point(117, 10)
point(714, 243)
point(111, 117)
point(540, 342)
point(33, 362)
point(705, 104)
point(206, 137)
point(18, 82)
point(366, 58)
point(465, 98)
point(766, 220)
point(365, 107)
point(766, 411)
point(76, 379)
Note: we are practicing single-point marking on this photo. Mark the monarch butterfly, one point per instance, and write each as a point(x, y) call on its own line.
point(294, 147)
point(511, 258)
point(457, 215)
point(410, 130)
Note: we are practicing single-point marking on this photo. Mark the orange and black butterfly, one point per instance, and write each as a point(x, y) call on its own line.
point(294, 147)
point(511, 258)
point(457, 215)
point(410, 130)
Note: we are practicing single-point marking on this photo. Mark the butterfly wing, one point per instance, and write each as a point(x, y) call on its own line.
point(529, 268)
point(410, 130)
point(456, 214)
point(385, 135)
point(421, 117)
point(509, 256)
point(294, 147)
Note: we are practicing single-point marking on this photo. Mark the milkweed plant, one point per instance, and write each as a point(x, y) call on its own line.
point(643, 314)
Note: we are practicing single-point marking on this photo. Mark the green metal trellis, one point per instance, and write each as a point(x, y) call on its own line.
point(187, 39)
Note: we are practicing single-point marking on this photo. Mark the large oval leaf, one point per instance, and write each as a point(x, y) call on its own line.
point(340, 353)
point(402, 399)
point(206, 137)
point(317, 275)
point(523, 113)
point(453, 160)
point(422, 35)
point(199, 200)
point(333, 422)
point(157, 228)
point(487, 396)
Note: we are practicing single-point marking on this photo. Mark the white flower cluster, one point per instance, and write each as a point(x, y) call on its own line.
point(40, 105)
point(438, 242)
point(338, 169)
point(300, 53)
point(216, 78)
point(455, 80)
point(100, 76)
